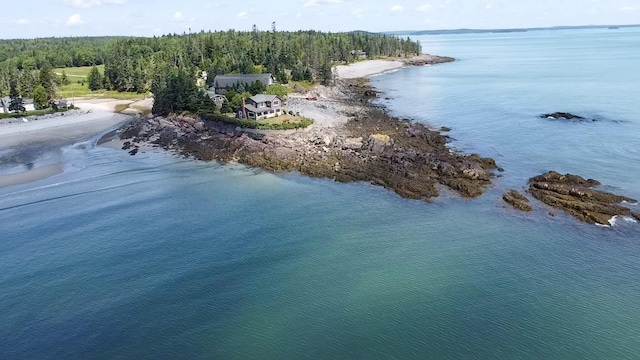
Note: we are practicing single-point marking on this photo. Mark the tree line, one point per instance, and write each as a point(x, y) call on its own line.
point(134, 64)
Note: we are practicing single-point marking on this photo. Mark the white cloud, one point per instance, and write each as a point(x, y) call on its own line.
point(424, 7)
point(22, 21)
point(85, 4)
point(242, 15)
point(630, 8)
point(74, 20)
point(178, 16)
point(397, 8)
point(359, 13)
point(322, 2)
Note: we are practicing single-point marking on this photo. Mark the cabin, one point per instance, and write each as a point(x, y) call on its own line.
point(222, 83)
point(261, 106)
point(359, 54)
point(217, 98)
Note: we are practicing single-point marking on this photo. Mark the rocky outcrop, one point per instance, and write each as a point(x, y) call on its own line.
point(576, 196)
point(372, 146)
point(426, 59)
point(562, 115)
point(517, 200)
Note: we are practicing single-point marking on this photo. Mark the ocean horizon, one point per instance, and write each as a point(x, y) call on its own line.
point(160, 256)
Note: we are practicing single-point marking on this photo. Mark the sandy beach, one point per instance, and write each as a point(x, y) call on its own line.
point(22, 140)
point(367, 68)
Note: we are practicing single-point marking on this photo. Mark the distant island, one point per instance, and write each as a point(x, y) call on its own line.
point(513, 30)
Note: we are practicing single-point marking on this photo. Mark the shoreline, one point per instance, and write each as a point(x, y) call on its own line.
point(351, 141)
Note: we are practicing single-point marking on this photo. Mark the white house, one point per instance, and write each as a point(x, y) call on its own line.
point(261, 106)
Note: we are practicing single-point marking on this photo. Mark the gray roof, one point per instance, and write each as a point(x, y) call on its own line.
point(260, 98)
point(254, 109)
point(226, 81)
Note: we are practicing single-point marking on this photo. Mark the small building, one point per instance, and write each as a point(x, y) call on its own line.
point(28, 105)
point(261, 106)
point(359, 54)
point(222, 83)
point(217, 98)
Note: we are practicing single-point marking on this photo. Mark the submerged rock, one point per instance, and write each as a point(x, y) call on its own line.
point(562, 115)
point(575, 196)
point(517, 200)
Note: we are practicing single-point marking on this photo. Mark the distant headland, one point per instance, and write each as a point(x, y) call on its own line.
point(512, 30)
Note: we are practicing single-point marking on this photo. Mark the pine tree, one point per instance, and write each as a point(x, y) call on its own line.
point(94, 79)
point(64, 80)
point(16, 104)
point(47, 78)
point(40, 97)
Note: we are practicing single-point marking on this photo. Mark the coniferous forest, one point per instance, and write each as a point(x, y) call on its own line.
point(132, 64)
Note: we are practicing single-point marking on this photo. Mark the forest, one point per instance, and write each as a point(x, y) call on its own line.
point(133, 64)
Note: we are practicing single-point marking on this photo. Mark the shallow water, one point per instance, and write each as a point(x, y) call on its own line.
point(155, 256)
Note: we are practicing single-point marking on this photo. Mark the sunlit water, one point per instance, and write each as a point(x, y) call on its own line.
point(155, 256)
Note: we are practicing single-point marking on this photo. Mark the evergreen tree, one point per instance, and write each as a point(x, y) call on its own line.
point(47, 81)
point(326, 74)
point(176, 90)
point(40, 98)
point(64, 80)
point(94, 79)
point(16, 104)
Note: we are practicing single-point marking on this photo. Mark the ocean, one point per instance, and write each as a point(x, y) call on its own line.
point(158, 256)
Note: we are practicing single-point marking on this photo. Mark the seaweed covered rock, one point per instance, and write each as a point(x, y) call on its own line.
point(517, 200)
point(576, 196)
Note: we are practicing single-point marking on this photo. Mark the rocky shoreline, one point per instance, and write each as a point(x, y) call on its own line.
point(371, 146)
point(575, 196)
point(353, 140)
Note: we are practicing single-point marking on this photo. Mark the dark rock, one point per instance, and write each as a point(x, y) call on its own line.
point(574, 195)
point(517, 200)
point(561, 115)
point(126, 145)
point(134, 151)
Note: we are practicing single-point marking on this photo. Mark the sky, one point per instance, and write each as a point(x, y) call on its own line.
point(46, 18)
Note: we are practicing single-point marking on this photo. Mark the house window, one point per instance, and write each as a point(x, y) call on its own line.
point(276, 102)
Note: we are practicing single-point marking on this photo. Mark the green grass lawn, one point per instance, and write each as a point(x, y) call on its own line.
point(77, 73)
point(282, 119)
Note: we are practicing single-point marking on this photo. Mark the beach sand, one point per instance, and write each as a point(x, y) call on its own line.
point(367, 68)
point(24, 141)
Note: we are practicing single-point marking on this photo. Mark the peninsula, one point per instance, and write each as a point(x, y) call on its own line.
point(350, 140)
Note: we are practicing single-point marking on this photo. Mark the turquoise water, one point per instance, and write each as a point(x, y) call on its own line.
point(155, 256)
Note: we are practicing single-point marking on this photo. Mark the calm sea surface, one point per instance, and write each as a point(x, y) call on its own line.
point(157, 257)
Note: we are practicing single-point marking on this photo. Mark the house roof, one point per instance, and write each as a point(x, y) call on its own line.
point(260, 98)
point(252, 108)
point(225, 81)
